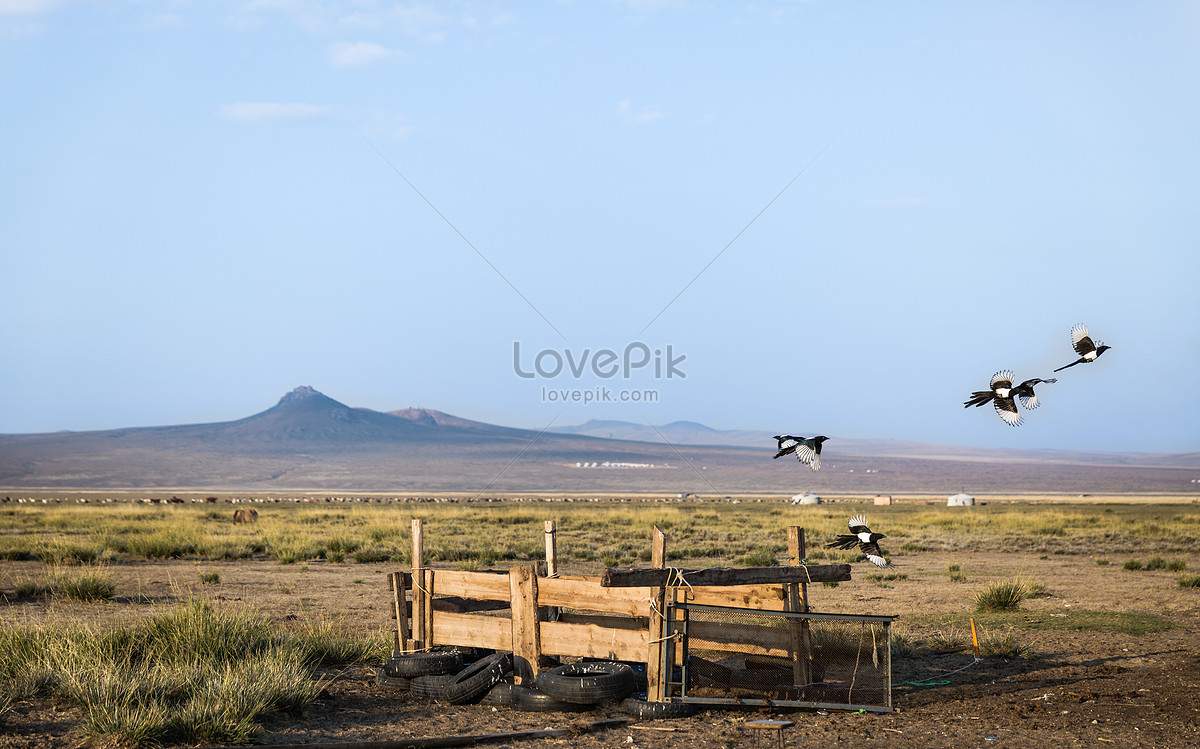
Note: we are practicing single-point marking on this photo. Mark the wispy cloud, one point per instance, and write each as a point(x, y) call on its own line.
point(264, 111)
point(357, 54)
point(897, 202)
point(637, 114)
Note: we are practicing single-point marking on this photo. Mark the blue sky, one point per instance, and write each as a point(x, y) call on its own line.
point(869, 208)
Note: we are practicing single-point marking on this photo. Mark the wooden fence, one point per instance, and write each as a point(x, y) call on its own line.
point(533, 613)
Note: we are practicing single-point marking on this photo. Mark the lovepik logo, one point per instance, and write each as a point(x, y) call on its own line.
point(603, 363)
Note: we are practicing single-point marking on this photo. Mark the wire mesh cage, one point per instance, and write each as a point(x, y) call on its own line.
point(752, 657)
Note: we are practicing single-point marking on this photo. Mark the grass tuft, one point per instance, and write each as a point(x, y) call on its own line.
point(1003, 596)
point(1188, 581)
point(1006, 646)
point(193, 675)
point(760, 558)
point(82, 585)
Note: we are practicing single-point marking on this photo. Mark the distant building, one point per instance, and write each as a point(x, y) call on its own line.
point(883, 499)
point(960, 500)
point(807, 498)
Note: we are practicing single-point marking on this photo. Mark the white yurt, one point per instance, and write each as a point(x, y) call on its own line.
point(807, 498)
point(961, 500)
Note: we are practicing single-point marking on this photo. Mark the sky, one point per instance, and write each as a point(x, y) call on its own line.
point(805, 217)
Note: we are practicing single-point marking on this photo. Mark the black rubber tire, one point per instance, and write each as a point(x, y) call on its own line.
point(499, 694)
point(643, 710)
point(475, 680)
point(533, 700)
point(588, 683)
point(384, 679)
point(431, 687)
point(413, 665)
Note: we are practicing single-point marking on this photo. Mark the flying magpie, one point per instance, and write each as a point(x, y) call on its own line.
point(1088, 350)
point(1025, 394)
point(806, 449)
point(1002, 396)
point(860, 535)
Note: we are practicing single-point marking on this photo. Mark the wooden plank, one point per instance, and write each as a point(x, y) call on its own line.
point(652, 578)
point(482, 586)
point(427, 609)
point(656, 680)
point(760, 597)
point(526, 634)
point(400, 609)
point(593, 641)
point(588, 595)
point(473, 630)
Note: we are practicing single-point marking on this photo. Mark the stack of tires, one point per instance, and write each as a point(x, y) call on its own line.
point(574, 687)
point(441, 675)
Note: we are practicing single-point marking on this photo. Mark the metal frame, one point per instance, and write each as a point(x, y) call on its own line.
point(676, 621)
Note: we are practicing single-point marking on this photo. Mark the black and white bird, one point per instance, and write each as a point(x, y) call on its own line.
point(806, 449)
point(1025, 394)
point(1088, 350)
point(862, 537)
point(1002, 396)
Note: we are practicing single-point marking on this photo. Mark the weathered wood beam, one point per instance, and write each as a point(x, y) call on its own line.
point(637, 578)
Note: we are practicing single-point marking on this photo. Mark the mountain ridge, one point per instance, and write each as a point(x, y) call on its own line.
point(309, 440)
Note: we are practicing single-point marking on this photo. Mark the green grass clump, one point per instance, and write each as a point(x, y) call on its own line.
point(1132, 564)
point(1156, 563)
point(68, 553)
point(760, 558)
point(193, 675)
point(25, 588)
point(371, 555)
point(1007, 646)
point(911, 546)
point(1102, 561)
point(211, 577)
point(1188, 581)
point(1003, 596)
point(82, 585)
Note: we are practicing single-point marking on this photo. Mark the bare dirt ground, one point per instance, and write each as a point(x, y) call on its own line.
point(1086, 688)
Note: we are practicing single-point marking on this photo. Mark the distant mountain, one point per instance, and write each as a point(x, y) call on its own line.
point(309, 441)
point(692, 433)
point(677, 432)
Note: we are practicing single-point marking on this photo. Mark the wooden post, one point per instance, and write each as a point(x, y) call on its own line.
point(656, 690)
point(400, 607)
point(658, 548)
point(418, 545)
point(420, 606)
point(427, 609)
point(551, 613)
point(526, 630)
point(797, 601)
point(551, 549)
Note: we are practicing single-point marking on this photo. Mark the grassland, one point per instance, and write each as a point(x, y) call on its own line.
point(591, 535)
point(77, 582)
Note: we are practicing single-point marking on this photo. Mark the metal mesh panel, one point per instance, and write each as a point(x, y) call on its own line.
point(747, 656)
